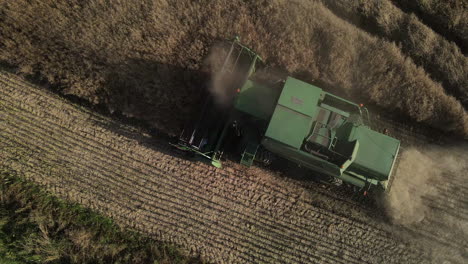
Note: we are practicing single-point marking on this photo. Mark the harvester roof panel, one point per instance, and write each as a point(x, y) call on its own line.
point(300, 96)
point(257, 100)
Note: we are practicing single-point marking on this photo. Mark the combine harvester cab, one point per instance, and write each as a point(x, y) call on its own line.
point(292, 119)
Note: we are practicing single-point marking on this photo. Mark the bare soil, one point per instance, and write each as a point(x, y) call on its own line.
point(229, 215)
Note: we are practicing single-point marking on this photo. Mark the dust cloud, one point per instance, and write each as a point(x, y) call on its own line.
point(214, 62)
point(422, 175)
point(428, 202)
point(227, 73)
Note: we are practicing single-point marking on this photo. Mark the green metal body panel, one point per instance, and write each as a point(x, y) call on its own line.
point(292, 118)
point(376, 155)
point(249, 154)
point(256, 100)
point(300, 96)
point(288, 126)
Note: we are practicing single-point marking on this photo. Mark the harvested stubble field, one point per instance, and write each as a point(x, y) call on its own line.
point(228, 215)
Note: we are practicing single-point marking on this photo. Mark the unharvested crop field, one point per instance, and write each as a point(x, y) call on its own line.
point(229, 215)
point(146, 60)
point(441, 58)
point(446, 17)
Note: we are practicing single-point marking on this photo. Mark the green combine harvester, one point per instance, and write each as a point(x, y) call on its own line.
point(258, 118)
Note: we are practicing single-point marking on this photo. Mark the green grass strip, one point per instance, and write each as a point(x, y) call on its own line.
point(37, 227)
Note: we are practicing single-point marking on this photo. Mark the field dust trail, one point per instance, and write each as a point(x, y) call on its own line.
point(428, 198)
point(229, 215)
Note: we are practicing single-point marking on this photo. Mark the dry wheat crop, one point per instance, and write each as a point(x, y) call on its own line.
point(145, 60)
point(440, 58)
point(449, 17)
